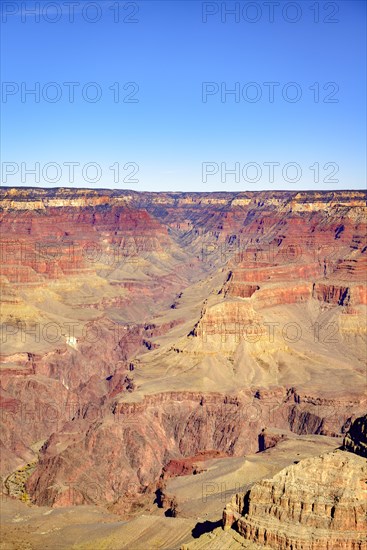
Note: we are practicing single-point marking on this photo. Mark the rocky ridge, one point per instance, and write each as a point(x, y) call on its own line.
point(319, 503)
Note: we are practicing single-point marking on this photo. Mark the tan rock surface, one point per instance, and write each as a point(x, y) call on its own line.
point(319, 503)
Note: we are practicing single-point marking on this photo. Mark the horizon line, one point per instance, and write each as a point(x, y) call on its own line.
point(113, 189)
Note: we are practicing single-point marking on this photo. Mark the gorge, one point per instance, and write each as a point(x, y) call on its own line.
point(156, 346)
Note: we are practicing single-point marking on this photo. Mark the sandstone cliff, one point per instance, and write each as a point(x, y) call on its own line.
point(317, 504)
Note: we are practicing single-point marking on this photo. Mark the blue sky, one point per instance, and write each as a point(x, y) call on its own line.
point(170, 132)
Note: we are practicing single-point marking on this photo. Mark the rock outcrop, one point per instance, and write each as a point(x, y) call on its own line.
point(355, 440)
point(317, 504)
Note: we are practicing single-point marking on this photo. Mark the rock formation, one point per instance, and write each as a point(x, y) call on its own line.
point(319, 503)
point(142, 329)
point(355, 440)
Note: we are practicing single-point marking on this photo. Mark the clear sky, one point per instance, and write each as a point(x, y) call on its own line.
point(166, 50)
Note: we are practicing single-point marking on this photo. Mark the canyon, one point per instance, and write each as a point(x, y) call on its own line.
point(157, 343)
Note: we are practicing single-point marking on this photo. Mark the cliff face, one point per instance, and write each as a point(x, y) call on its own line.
point(355, 440)
point(304, 200)
point(139, 438)
point(316, 504)
point(139, 328)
